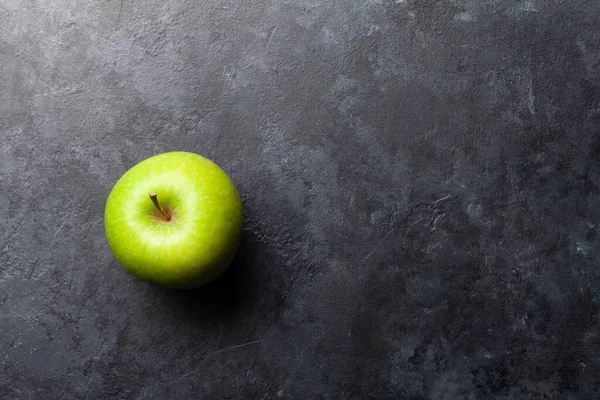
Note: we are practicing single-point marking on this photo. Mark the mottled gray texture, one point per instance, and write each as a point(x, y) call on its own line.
point(420, 180)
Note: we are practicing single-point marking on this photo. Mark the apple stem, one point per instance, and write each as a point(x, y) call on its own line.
point(154, 198)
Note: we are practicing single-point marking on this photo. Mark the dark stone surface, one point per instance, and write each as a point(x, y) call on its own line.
point(420, 180)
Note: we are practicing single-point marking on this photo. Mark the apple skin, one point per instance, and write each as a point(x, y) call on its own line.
point(202, 236)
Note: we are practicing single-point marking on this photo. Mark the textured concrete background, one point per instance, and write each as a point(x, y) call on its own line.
point(420, 180)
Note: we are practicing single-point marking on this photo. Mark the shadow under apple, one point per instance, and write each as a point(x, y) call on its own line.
point(226, 294)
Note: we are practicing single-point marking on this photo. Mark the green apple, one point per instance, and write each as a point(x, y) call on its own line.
point(174, 220)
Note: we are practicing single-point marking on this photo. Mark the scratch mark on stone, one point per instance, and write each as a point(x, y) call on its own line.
point(446, 197)
point(234, 347)
point(378, 247)
point(120, 11)
point(531, 100)
point(270, 37)
point(60, 92)
point(61, 225)
point(85, 301)
point(212, 353)
point(435, 220)
point(37, 278)
point(284, 298)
